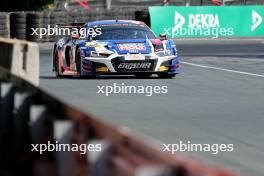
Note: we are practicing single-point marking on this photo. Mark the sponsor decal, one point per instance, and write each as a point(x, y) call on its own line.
point(88, 44)
point(205, 21)
point(197, 24)
point(134, 57)
point(131, 46)
point(256, 20)
point(130, 66)
point(100, 48)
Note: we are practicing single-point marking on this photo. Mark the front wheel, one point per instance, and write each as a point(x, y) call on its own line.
point(78, 61)
point(143, 75)
point(166, 75)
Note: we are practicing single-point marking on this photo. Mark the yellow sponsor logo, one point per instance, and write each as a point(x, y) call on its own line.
point(163, 68)
point(102, 69)
point(88, 44)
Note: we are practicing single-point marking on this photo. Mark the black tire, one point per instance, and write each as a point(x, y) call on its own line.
point(18, 15)
point(78, 61)
point(21, 36)
point(166, 75)
point(35, 25)
point(18, 21)
point(32, 16)
point(53, 18)
point(18, 26)
point(56, 66)
point(143, 75)
point(34, 21)
point(45, 24)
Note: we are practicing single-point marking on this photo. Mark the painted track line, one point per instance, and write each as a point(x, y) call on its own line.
point(222, 69)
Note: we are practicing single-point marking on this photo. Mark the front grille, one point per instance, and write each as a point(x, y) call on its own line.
point(134, 66)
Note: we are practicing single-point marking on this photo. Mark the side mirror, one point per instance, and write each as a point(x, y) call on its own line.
point(163, 36)
point(75, 37)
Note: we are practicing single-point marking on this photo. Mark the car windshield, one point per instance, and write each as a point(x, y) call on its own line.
point(124, 32)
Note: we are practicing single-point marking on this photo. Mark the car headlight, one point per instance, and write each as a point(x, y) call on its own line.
point(100, 54)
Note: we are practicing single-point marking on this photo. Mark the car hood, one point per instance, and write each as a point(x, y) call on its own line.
point(136, 46)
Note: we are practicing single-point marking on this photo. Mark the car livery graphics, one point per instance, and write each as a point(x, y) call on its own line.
point(124, 47)
point(136, 47)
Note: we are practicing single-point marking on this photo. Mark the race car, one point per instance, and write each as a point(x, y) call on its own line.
point(115, 47)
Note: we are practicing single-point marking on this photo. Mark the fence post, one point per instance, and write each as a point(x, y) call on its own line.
point(6, 127)
point(21, 128)
point(63, 133)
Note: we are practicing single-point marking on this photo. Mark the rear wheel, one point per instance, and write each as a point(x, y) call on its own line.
point(56, 66)
point(166, 75)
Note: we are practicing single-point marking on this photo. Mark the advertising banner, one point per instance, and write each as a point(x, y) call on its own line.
point(208, 21)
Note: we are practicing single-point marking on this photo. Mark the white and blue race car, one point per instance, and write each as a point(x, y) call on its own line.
point(120, 47)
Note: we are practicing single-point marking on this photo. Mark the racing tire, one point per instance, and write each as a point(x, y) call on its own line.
point(143, 75)
point(166, 75)
point(78, 61)
point(19, 26)
point(56, 66)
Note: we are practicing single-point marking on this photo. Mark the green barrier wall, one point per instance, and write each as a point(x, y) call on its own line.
point(206, 21)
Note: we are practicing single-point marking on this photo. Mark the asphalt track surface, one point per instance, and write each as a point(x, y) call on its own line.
point(217, 98)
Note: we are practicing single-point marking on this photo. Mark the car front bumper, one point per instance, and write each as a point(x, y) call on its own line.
point(110, 65)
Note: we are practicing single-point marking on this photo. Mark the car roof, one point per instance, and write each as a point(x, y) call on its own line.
point(109, 22)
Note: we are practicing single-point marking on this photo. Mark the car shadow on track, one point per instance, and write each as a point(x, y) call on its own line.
point(100, 77)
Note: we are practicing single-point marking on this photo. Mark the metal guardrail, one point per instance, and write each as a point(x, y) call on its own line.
point(29, 116)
